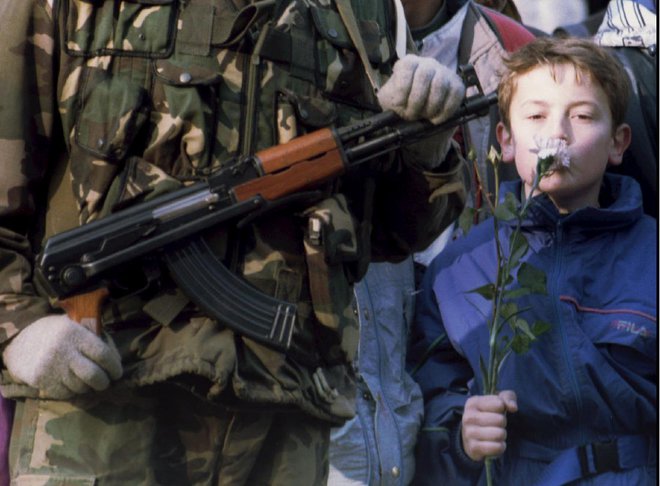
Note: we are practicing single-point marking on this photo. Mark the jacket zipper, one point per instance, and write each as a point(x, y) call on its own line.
point(559, 258)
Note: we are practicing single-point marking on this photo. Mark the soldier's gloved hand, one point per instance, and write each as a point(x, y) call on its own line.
point(61, 358)
point(421, 87)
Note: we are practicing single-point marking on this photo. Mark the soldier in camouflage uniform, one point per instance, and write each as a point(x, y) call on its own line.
point(107, 103)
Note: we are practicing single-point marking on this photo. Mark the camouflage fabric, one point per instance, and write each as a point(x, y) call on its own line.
point(143, 96)
point(162, 435)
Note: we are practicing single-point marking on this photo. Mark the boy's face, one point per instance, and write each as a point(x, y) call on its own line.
point(563, 108)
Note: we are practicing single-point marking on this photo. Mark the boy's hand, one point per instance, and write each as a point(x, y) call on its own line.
point(61, 358)
point(422, 88)
point(483, 428)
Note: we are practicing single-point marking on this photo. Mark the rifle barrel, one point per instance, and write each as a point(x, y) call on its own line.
point(399, 134)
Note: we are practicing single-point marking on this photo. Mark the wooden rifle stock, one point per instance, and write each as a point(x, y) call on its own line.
point(278, 157)
point(85, 308)
point(294, 166)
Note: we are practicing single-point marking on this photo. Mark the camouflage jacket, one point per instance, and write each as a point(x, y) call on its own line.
point(118, 101)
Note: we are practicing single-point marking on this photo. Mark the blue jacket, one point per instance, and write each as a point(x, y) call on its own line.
point(376, 447)
point(592, 377)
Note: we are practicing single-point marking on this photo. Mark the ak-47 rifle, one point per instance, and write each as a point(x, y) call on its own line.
point(74, 265)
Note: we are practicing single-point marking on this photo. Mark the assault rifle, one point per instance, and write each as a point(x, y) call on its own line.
point(74, 265)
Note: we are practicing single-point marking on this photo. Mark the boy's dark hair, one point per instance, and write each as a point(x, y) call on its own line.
point(585, 56)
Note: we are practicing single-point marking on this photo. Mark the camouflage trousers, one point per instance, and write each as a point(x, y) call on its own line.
point(162, 435)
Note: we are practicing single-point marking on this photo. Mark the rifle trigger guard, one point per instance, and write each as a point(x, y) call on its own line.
point(269, 206)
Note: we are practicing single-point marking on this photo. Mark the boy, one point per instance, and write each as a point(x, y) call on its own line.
point(580, 404)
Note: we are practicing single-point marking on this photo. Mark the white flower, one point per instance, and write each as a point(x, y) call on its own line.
point(552, 153)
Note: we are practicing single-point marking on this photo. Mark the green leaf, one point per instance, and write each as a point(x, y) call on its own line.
point(486, 291)
point(516, 293)
point(532, 278)
point(508, 310)
point(519, 247)
point(539, 327)
point(512, 202)
point(521, 325)
point(507, 210)
point(466, 219)
point(520, 343)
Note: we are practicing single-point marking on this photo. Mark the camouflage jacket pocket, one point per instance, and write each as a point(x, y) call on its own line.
point(338, 59)
point(331, 242)
point(311, 42)
point(188, 113)
point(112, 111)
point(130, 27)
point(331, 29)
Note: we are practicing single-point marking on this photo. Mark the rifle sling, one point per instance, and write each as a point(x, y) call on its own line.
point(351, 24)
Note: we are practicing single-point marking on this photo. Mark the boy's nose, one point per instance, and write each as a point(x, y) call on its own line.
point(559, 128)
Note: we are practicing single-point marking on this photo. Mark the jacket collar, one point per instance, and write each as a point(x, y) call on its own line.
point(620, 199)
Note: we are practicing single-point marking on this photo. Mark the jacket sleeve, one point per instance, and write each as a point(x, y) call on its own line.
point(412, 206)
point(26, 99)
point(443, 376)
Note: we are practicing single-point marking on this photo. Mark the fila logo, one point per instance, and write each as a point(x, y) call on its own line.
point(631, 327)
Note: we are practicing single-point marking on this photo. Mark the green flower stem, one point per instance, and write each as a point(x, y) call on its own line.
point(489, 471)
point(498, 355)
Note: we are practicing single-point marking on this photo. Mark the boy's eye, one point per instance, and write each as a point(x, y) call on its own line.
point(582, 116)
point(534, 116)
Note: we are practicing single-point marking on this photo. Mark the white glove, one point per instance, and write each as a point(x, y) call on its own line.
point(61, 358)
point(421, 87)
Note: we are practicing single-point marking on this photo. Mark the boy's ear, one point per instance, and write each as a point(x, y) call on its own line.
point(505, 139)
point(620, 142)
